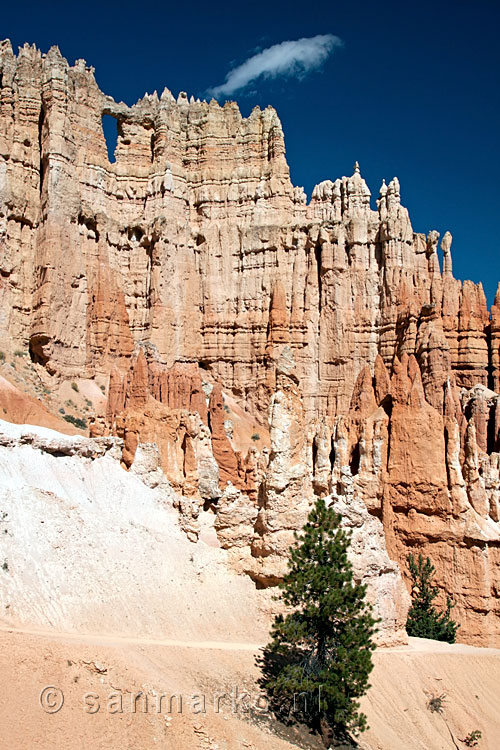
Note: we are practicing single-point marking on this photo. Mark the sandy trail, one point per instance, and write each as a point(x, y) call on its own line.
point(116, 639)
point(419, 645)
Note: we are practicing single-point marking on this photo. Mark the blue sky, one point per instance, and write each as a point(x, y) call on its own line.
point(413, 91)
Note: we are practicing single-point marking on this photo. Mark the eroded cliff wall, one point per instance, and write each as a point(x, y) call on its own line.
point(219, 305)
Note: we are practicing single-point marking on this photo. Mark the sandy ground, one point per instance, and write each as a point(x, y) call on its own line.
point(98, 667)
point(406, 678)
point(103, 677)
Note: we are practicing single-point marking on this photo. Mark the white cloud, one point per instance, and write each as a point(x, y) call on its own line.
point(292, 58)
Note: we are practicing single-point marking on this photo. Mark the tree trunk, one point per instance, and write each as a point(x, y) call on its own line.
point(326, 731)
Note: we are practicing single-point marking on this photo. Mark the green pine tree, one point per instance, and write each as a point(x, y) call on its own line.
point(320, 657)
point(424, 620)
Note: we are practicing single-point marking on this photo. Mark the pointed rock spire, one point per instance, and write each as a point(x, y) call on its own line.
point(278, 315)
point(393, 193)
point(54, 54)
point(432, 242)
point(497, 296)
point(363, 396)
point(400, 382)
point(382, 201)
point(137, 387)
point(356, 192)
point(167, 95)
point(382, 382)
point(116, 394)
point(446, 248)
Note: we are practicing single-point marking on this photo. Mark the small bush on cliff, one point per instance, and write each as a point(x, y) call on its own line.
point(76, 421)
point(472, 739)
point(320, 657)
point(424, 620)
point(435, 703)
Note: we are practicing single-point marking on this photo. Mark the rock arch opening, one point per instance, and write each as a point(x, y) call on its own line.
point(110, 132)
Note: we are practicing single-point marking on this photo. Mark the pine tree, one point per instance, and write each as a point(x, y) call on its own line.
point(424, 621)
point(322, 650)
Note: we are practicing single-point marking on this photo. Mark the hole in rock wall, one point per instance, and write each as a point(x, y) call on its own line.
point(38, 346)
point(355, 458)
point(446, 441)
point(135, 234)
point(91, 226)
point(332, 455)
point(317, 255)
point(41, 121)
point(491, 436)
point(468, 411)
point(490, 379)
point(110, 132)
point(386, 404)
point(210, 505)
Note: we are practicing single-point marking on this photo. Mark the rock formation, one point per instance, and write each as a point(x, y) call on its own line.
point(88, 547)
point(192, 274)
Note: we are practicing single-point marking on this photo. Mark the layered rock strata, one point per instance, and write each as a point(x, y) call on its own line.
point(192, 273)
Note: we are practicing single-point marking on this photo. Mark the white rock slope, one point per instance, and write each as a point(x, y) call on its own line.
point(88, 546)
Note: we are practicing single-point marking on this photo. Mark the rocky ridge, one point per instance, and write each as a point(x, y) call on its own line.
point(195, 279)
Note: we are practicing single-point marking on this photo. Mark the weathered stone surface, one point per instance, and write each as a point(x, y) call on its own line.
point(235, 519)
point(371, 563)
point(288, 494)
point(221, 447)
point(197, 278)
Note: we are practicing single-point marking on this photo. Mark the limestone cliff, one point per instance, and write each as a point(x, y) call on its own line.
point(288, 348)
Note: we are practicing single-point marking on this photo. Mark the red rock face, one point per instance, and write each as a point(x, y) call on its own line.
point(432, 476)
point(193, 253)
point(221, 447)
point(151, 403)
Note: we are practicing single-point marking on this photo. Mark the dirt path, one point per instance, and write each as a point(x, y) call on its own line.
point(415, 645)
point(113, 638)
